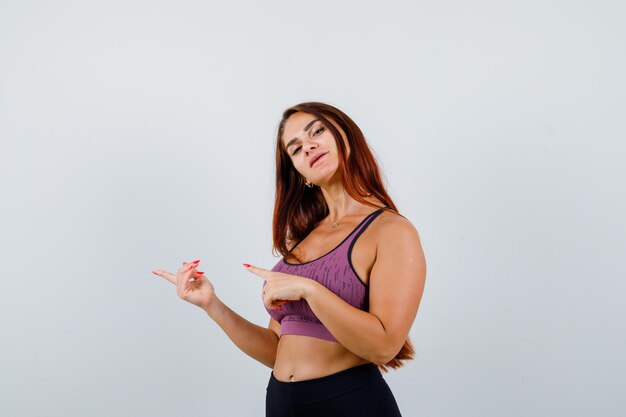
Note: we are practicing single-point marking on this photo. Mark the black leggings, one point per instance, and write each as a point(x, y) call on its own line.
point(359, 391)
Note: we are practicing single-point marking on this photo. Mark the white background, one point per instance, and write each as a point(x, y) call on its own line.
point(138, 134)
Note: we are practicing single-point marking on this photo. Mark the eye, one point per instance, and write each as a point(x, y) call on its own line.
point(296, 151)
point(321, 129)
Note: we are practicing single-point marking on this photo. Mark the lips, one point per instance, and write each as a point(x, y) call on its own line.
point(316, 157)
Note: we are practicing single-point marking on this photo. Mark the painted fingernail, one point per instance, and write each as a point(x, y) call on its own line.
point(246, 265)
point(200, 272)
point(154, 273)
point(196, 261)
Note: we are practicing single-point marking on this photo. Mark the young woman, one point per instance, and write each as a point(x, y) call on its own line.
point(346, 292)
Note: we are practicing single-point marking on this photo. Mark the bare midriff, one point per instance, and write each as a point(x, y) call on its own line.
point(299, 358)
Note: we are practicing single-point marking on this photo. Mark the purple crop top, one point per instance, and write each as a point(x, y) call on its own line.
point(333, 270)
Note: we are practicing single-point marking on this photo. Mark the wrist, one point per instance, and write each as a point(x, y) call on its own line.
point(309, 288)
point(213, 308)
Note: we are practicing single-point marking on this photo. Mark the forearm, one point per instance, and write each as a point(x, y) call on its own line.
point(360, 332)
point(258, 342)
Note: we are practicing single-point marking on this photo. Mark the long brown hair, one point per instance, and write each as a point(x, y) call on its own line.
point(298, 208)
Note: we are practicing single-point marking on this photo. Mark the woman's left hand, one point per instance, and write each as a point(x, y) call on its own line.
point(280, 287)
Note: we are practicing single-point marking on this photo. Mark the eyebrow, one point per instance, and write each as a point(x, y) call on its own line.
point(307, 127)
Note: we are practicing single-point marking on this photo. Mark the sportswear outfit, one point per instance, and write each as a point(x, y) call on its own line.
point(358, 391)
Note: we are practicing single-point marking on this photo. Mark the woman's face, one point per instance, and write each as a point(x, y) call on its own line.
point(312, 148)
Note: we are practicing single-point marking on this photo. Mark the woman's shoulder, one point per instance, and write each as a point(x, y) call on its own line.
point(391, 225)
point(391, 218)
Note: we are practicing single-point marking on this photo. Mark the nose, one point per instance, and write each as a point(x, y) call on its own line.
point(309, 146)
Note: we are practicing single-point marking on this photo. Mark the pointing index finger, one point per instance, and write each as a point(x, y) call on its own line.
point(263, 273)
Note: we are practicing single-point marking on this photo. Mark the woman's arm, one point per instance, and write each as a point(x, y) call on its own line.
point(258, 342)
point(396, 285)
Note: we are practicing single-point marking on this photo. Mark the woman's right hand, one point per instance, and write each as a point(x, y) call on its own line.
point(199, 292)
